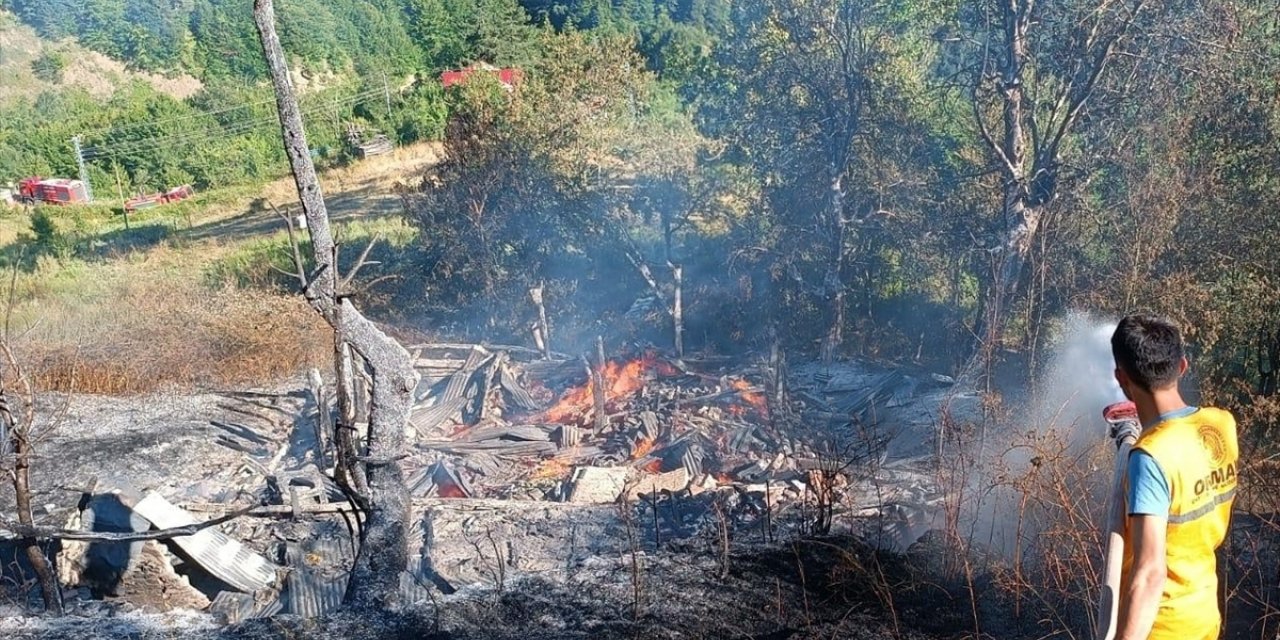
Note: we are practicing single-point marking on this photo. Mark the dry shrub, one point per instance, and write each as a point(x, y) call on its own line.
point(1040, 504)
point(174, 334)
point(1022, 545)
point(1057, 504)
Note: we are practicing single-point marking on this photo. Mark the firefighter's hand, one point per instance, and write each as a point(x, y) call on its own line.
point(1125, 429)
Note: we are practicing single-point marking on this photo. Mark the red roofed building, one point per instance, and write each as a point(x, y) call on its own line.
point(508, 77)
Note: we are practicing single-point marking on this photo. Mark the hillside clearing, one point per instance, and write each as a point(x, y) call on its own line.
point(173, 301)
point(91, 71)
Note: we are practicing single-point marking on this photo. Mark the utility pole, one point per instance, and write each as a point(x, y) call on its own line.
point(120, 192)
point(84, 172)
point(386, 93)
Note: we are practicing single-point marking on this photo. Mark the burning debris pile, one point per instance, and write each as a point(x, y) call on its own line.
point(501, 423)
point(519, 464)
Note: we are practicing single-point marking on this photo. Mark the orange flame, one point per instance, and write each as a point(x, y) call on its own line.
point(642, 448)
point(753, 398)
point(653, 466)
point(450, 490)
point(550, 469)
point(621, 379)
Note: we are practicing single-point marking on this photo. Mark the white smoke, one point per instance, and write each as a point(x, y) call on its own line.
point(1078, 380)
point(1066, 403)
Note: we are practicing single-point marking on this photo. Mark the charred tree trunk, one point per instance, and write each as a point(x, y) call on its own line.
point(833, 281)
point(49, 589)
point(677, 307)
point(17, 440)
point(1027, 147)
point(383, 553)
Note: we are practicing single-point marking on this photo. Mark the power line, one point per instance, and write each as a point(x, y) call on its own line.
point(234, 128)
point(201, 135)
point(135, 125)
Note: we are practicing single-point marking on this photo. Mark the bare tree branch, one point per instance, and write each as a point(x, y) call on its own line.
point(34, 532)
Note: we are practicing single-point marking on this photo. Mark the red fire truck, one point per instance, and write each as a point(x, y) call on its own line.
point(51, 191)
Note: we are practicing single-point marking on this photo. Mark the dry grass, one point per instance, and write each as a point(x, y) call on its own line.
point(152, 308)
point(133, 328)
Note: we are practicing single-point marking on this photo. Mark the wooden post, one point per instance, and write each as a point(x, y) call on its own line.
point(324, 422)
point(120, 192)
point(597, 386)
point(677, 309)
point(543, 333)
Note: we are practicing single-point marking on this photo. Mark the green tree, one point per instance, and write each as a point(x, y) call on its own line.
point(810, 92)
point(535, 180)
point(50, 65)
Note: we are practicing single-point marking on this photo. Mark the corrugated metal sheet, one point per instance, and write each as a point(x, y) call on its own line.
point(459, 381)
point(516, 394)
point(412, 589)
point(226, 559)
point(310, 589)
point(430, 418)
point(314, 585)
point(232, 607)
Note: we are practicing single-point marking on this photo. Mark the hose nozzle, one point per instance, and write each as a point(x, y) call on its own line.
point(1122, 418)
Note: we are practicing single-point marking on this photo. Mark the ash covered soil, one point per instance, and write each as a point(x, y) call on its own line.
point(193, 448)
point(812, 589)
point(159, 441)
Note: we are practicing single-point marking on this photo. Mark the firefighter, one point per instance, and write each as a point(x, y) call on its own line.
point(1180, 483)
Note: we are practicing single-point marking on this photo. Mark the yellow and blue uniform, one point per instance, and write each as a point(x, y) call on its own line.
point(1183, 468)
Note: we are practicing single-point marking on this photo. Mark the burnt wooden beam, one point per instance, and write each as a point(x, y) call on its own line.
point(597, 386)
point(543, 333)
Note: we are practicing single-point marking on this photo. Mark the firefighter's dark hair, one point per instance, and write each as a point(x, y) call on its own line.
point(1149, 349)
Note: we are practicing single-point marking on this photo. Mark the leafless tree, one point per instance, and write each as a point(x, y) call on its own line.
point(17, 445)
point(373, 476)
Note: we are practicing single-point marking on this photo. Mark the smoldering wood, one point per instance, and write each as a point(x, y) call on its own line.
point(705, 445)
point(677, 308)
point(538, 340)
point(597, 386)
point(543, 329)
point(383, 554)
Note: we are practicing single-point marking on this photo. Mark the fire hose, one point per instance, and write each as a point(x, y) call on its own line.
point(1122, 418)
